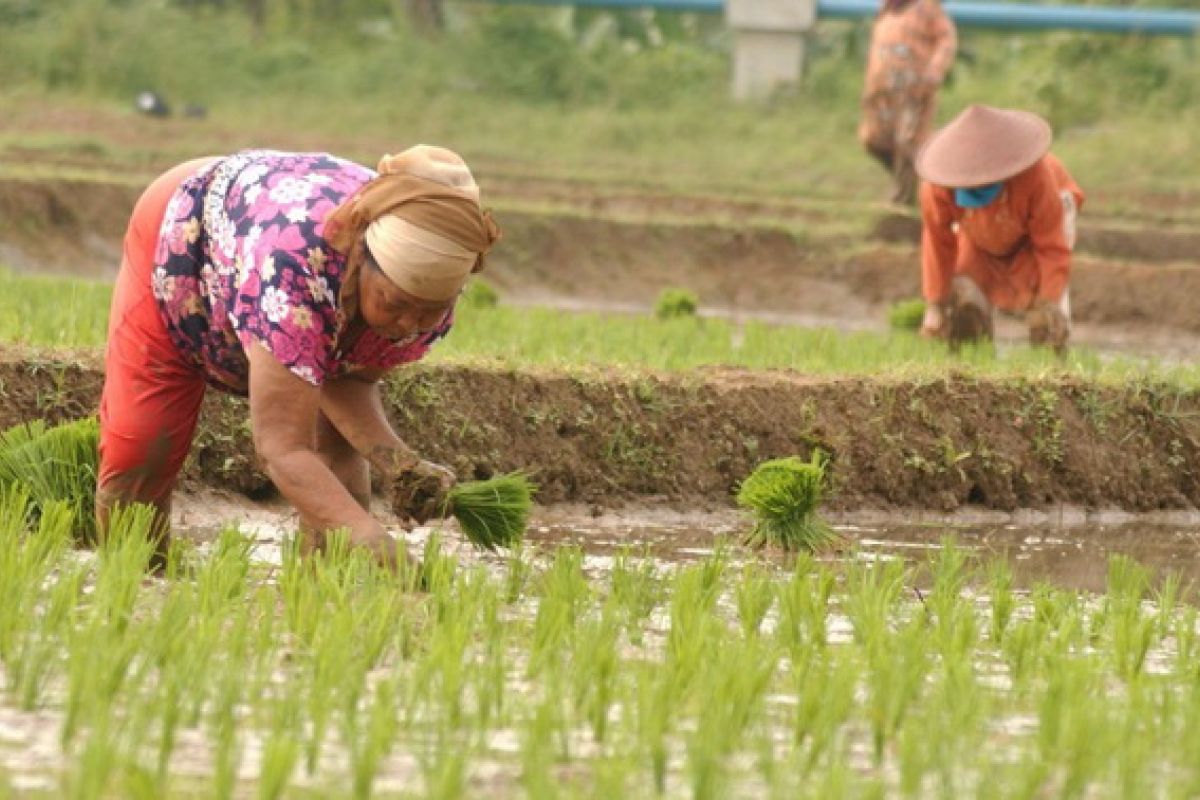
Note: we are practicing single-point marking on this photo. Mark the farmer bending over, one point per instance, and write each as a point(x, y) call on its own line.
point(912, 49)
point(297, 279)
point(998, 214)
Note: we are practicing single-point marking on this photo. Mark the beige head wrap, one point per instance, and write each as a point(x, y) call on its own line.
point(421, 220)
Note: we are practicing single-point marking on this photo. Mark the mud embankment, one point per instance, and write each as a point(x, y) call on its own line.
point(686, 440)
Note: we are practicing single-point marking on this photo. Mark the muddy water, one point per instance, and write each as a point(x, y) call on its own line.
point(1069, 549)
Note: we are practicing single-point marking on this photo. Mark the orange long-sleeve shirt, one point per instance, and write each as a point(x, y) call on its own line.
point(1015, 247)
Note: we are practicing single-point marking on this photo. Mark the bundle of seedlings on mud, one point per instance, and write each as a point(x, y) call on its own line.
point(492, 513)
point(54, 464)
point(674, 303)
point(906, 315)
point(783, 494)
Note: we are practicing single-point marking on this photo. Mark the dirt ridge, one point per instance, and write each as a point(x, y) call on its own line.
point(686, 440)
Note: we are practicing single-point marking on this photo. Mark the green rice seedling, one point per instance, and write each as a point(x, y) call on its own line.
point(1075, 732)
point(636, 589)
point(1185, 643)
point(754, 595)
point(896, 668)
point(731, 685)
point(281, 751)
point(594, 669)
point(955, 626)
point(38, 660)
point(1003, 601)
point(495, 512)
point(906, 315)
point(56, 463)
point(655, 705)
point(804, 606)
point(675, 303)
point(823, 682)
point(693, 623)
point(517, 571)
point(783, 494)
point(370, 745)
point(564, 592)
point(1133, 631)
point(1166, 598)
point(124, 553)
point(872, 594)
point(479, 294)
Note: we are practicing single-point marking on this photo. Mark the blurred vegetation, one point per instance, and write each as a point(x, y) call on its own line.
point(638, 93)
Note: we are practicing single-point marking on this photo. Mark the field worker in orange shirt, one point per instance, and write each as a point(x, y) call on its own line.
point(912, 49)
point(998, 226)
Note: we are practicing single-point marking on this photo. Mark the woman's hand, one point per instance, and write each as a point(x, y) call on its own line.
point(420, 492)
point(933, 325)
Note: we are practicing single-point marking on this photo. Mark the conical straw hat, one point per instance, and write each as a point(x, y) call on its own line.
point(983, 145)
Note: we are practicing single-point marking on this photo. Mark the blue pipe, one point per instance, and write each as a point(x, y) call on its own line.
point(1022, 15)
point(1166, 22)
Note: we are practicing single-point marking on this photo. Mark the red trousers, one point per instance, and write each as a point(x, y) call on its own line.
point(152, 394)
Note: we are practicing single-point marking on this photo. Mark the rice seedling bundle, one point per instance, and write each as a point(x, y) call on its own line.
point(493, 513)
point(54, 464)
point(783, 494)
point(906, 315)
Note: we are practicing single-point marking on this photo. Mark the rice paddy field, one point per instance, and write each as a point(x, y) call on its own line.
point(782, 547)
point(647, 660)
point(548, 672)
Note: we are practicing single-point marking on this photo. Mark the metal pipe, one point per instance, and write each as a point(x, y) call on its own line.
point(1168, 22)
point(1022, 15)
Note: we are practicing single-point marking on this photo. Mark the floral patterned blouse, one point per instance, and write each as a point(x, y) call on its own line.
point(241, 260)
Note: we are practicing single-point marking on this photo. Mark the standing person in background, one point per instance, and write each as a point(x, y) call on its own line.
point(998, 216)
point(298, 280)
point(912, 48)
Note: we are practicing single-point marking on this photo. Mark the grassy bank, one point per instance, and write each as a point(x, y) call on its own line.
point(600, 96)
point(49, 311)
point(528, 675)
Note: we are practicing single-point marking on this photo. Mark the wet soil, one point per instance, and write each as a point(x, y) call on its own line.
point(608, 438)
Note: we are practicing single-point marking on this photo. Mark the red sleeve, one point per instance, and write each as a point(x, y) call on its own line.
point(939, 243)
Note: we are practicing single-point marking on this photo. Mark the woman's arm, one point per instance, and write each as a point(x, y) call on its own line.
point(283, 416)
point(355, 407)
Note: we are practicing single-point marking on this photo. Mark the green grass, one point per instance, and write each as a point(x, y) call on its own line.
point(56, 311)
point(696, 679)
point(73, 313)
point(587, 94)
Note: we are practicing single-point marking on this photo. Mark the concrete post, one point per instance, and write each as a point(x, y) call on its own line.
point(768, 43)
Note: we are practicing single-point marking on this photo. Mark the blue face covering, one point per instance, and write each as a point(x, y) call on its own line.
point(978, 197)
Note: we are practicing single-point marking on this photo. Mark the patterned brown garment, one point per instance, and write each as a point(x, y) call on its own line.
point(912, 48)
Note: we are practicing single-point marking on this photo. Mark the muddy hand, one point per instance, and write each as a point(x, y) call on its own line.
point(420, 493)
point(1048, 326)
point(387, 550)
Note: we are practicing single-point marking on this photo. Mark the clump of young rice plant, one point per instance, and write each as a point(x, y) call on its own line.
point(673, 303)
point(54, 465)
point(906, 315)
point(479, 294)
point(783, 494)
point(493, 513)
